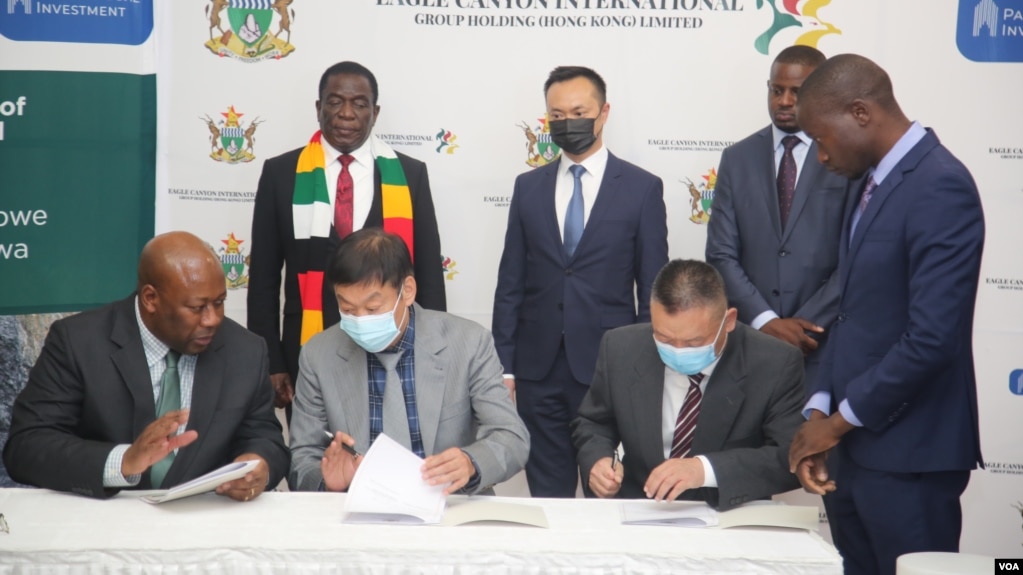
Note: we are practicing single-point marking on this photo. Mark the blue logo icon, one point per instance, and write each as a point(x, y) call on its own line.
point(127, 22)
point(1016, 381)
point(990, 30)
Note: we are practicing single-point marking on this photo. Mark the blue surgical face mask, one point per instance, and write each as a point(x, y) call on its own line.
point(690, 360)
point(373, 333)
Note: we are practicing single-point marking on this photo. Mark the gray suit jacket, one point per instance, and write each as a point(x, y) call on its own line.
point(749, 413)
point(460, 395)
point(792, 271)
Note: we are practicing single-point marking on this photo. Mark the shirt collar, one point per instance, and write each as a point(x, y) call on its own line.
point(155, 349)
point(912, 137)
point(594, 164)
point(363, 154)
point(777, 134)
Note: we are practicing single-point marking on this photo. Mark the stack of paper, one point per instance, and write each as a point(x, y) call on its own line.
point(207, 482)
point(697, 514)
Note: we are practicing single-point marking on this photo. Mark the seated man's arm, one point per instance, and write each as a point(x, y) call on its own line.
point(260, 431)
point(758, 472)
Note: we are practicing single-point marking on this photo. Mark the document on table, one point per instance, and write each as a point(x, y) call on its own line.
point(389, 488)
point(484, 510)
point(207, 482)
point(697, 514)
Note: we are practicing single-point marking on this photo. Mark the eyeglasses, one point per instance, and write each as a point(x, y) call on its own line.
point(4, 528)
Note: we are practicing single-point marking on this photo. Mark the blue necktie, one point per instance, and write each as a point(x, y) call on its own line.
point(574, 214)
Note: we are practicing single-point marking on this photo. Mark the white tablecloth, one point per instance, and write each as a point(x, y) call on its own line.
point(296, 533)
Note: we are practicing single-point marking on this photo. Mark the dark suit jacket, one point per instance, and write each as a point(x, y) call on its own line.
point(273, 246)
point(901, 350)
point(90, 390)
point(541, 294)
point(749, 414)
point(792, 271)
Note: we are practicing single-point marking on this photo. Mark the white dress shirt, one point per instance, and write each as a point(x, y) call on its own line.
point(595, 166)
point(676, 387)
point(362, 169)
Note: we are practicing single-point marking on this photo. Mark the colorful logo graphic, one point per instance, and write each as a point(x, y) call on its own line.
point(795, 13)
point(1016, 382)
point(540, 150)
point(231, 140)
point(235, 262)
point(446, 139)
point(449, 267)
point(701, 197)
point(249, 37)
point(94, 22)
point(990, 31)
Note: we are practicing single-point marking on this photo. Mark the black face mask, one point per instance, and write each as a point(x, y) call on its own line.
point(574, 136)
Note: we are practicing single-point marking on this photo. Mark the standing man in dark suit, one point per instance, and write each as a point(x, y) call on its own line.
point(150, 391)
point(586, 236)
point(896, 401)
point(704, 406)
point(309, 198)
point(777, 219)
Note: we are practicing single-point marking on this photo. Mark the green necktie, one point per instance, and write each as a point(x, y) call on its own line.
point(170, 400)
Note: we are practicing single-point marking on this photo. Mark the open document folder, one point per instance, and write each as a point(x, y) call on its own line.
point(207, 482)
point(389, 488)
point(698, 514)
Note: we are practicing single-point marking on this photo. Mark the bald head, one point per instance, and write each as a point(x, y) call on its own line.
point(181, 291)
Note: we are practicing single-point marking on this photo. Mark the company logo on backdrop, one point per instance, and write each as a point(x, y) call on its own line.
point(219, 196)
point(540, 149)
point(448, 265)
point(1006, 152)
point(990, 30)
point(687, 145)
point(1011, 284)
point(801, 15)
point(701, 196)
point(231, 139)
point(446, 141)
point(235, 262)
point(497, 201)
point(126, 22)
point(1003, 467)
point(1016, 382)
point(249, 23)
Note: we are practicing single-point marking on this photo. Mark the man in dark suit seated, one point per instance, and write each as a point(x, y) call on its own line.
point(150, 391)
point(704, 407)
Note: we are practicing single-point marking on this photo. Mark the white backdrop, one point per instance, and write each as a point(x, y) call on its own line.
point(678, 95)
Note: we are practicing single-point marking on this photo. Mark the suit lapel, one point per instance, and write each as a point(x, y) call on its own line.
point(548, 215)
point(722, 398)
point(429, 378)
point(130, 361)
point(206, 386)
point(647, 395)
point(606, 196)
point(350, 377)
point(766, 169)
point(808, 181)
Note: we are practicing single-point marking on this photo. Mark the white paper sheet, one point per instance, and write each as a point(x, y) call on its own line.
point(388, 488)
point(207, 482)
point(697, 514)
point(484, 510)
point(677, 513)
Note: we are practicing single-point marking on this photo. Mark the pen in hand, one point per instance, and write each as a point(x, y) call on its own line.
point(351, 450)
point(614, 460)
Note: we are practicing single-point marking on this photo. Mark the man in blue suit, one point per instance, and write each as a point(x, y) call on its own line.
point(896, 401)
point(586, 236)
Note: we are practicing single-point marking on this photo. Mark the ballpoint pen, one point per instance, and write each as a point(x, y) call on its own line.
point(344, 445)
point(614, 460)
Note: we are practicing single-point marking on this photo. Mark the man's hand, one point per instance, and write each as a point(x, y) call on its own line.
point(284, 389)
point(509, 382)
point(156, 441)
point(251, 485)
point(338, 466)
point(451, 466)
point(604, 481)
point(668, 480)
point(816, 436)
point(812, 473)
point(793, 330)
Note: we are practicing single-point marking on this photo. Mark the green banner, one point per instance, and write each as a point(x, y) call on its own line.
point(77, 187)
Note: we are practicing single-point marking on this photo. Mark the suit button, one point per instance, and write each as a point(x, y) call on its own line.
point(568, 272)
point(775, 292)
point(783, 253)
point(841, 317)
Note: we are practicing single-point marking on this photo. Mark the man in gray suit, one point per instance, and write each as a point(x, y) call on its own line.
point(704, 407)
point(777, 219)
point(429, 380)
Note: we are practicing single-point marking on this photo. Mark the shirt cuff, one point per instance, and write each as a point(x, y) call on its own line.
point(474, 482)
point(821, 401)
point(508, 376)
point(709, 479)
point(846, 410)
point(762, 319)
point(112, 470)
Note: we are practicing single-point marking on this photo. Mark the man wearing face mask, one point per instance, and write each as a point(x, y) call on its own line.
point(586, 236)
point(429, 380)
point(728, 396)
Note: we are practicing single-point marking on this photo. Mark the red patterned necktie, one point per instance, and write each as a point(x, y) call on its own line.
point(343, 198)
point(685, 425)
point(787, 178)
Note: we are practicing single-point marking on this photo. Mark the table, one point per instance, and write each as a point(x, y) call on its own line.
point(297, 533)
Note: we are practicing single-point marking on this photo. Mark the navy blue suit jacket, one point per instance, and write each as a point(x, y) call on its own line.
point(901, 350)
point(542, 294)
